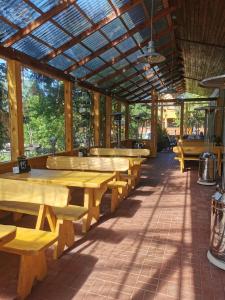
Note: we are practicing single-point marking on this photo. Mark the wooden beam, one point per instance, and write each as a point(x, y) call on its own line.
point(127, 117)
point(96, 108)
point(15, 106)
point(123, 37)
point(38, 22)
point(68, 86)
point(90, 30)
point(108, 121)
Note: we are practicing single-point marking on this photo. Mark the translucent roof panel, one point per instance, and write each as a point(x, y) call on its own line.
point(130, 72)
point(73, 21)
point(45, 5)
point(110, 54)
point(18, 12)
point(77, 52)
point(95, 63)
point(5, 31)
point(133, 57)
point(95, 41)
point(61, 62)
point(120, 3)
point(120, 64)
point(126, 84)
point(51, 34)
point(114, 29)
point(31, 47)
point(80, 72)
point(95, 10)
point(134, 16)
point(94, 78)
point(126, 45)
point(106, 72)
point(142, 36)
point(160, 25)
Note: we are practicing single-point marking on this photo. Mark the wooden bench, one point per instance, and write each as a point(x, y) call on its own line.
point(60, 218)
point(192, 153)
point(31, 244)
point(120, 152)
point(98, 164)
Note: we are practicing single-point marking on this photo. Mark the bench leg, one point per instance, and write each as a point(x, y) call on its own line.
point(66, 237)
point(114, 199)
point(31, 267)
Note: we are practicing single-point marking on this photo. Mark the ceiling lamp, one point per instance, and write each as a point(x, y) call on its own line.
point(151, 56)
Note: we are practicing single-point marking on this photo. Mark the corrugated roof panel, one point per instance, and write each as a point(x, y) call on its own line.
point(51, 34)
point(110, 54)
point(95, 41)
point(61, 62)
point(126, 45)
point(80, 72)
point(94, 78)
point(120, 3)
point(96, 10)
point(142, 35)
point(160, 25)
point(72, 20)
point(114, 29)
point(120, 64)
point(106, 72)
point(135, 79)
point(134, 16)
point(45, 5)
point(130, 72)
point(31, 47)
point(95, 63)
point(5, 31)
point(18, 12)
point(133, 57)
point(125, 84)
point(77, 52)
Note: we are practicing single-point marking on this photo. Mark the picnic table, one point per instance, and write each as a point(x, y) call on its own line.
point(94, 184)
point(7, 233)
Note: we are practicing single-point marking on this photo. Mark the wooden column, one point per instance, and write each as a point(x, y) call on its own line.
point(154, 118)
point(15, 106)
point(181, 120)
point(96, 107)
point(68, 86)
point(126, 121)
point(108, 112)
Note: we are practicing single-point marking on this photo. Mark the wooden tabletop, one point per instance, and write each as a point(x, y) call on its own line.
point(65, 178)
point(7, 233)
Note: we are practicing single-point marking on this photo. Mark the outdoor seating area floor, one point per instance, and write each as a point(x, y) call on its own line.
point(153, 247)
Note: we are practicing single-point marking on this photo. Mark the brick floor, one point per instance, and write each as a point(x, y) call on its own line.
point(153, 247)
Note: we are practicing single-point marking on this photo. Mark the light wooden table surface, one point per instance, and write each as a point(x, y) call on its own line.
point(94, 184)
point(7, 233)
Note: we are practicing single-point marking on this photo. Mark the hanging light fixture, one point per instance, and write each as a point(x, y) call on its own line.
point(151, 56)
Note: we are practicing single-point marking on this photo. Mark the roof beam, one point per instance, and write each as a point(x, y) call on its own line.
point(90, 30)
point(123, 37)
point(38, 22)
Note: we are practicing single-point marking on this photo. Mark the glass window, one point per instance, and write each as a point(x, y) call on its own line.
point(139, 124)
point(102, 120)
point(5, 147)
point(43, 111)
point(82, 118)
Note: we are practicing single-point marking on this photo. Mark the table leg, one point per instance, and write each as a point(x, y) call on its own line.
point(89, 204)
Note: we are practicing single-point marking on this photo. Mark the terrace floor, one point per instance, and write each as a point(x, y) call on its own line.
point(153, 247)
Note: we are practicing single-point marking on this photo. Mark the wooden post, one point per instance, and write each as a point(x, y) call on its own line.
point(126, 121)
point(108, 121)
point(68, 116)
point(96, 98)
point(181, 120)
point(154, 117)
point(15, 106)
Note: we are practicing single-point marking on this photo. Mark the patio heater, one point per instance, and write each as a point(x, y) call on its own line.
point(216, 252)
point(207, 159)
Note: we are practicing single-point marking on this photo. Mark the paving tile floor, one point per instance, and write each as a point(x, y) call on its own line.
point(153, 247)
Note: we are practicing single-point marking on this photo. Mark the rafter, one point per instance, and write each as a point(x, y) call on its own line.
point(38, 22)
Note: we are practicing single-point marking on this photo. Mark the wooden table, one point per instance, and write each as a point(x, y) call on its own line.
point(7, 233)
point(94, 184)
